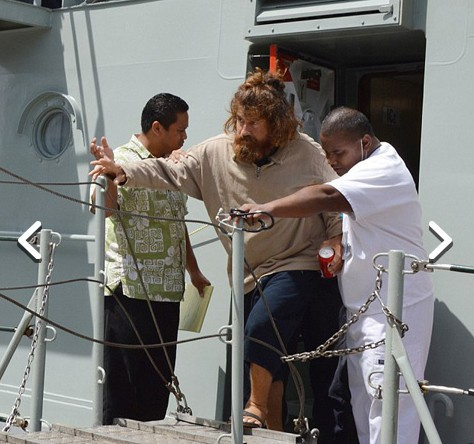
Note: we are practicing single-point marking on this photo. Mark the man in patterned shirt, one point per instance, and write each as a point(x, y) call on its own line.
point(144, 266)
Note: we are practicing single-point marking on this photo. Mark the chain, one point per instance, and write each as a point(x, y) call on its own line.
point(16, 406)
point(392, 319)
point(174, 388)
point(322, 350)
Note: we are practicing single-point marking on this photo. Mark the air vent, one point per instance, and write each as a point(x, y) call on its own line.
point(279, 17)
point(327, 9)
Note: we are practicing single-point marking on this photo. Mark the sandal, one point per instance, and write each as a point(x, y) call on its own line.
point(259, 425)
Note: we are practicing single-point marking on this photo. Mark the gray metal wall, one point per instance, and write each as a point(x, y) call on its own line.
point(110, 57)
point(446, 190)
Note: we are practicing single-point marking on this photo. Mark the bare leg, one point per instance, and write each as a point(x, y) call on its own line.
point(275, 407)
point(260, 384)
point(265, 398)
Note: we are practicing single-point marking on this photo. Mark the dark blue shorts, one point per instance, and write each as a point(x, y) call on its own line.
point(288, 295)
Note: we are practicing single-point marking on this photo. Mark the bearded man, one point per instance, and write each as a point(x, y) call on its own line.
point(261, 157)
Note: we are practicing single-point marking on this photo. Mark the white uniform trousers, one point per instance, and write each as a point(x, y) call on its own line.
point(366, 408)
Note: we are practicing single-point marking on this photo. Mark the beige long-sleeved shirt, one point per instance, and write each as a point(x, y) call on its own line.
point(211, 173)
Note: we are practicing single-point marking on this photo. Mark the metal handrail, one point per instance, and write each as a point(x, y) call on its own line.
point(14, 235)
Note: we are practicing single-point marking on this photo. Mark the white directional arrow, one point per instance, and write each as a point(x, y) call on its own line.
point(444, 246)
point(23, 241)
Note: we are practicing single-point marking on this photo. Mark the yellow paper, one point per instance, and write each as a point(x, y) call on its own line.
point(193, 308)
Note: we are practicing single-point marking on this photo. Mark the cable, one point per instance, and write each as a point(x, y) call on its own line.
point(68, 281)
point(15, 182)
point(98, 341)
point(24, 181)
point(129, 346)
point(119, 213)
point(232, 213)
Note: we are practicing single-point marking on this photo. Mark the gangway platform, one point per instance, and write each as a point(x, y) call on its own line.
point(171, 430)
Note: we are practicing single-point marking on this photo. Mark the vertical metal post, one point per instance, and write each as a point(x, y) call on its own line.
point(237, 429)
point(38, 365)
point(97, 304)
point(391, 379)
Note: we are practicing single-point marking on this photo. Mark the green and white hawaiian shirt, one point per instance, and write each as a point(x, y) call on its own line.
point(158, 245)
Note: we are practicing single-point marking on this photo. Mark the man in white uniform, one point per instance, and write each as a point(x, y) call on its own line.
point(381, 210)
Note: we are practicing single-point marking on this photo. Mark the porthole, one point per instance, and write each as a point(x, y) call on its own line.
point(52, 133)
point(54, 124)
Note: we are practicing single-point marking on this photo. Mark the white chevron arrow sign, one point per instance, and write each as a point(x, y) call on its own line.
point(23, 242)
point(444, 246)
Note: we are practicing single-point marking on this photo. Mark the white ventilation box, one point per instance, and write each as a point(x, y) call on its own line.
point(279, 17)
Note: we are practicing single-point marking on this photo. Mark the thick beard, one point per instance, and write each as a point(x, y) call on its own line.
point(249, 150)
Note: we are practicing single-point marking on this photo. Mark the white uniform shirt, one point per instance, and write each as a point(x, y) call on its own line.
point(386, 216)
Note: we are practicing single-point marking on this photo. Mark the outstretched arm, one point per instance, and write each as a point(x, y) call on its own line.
point(154, 173)
point(305, 202)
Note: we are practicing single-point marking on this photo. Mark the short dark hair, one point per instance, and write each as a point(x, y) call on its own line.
point(164, 108)
point(348, 121)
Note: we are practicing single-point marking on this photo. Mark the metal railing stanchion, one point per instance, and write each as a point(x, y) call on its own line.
point(237, 429)
point(38, 364)
point(396, 362)
point(391, 379)
point(97, 304)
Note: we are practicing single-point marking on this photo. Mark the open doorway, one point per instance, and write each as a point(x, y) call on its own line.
point(393, 103)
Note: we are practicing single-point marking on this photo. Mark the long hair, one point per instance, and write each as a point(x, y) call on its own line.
point(262, 96)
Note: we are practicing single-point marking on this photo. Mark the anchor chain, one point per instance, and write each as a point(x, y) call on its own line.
point(12, 419)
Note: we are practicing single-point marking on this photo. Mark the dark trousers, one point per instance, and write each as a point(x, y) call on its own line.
point(133, 389)
point(320, 322)
point(345, 431)
point(340, 394)
point(311, 305)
